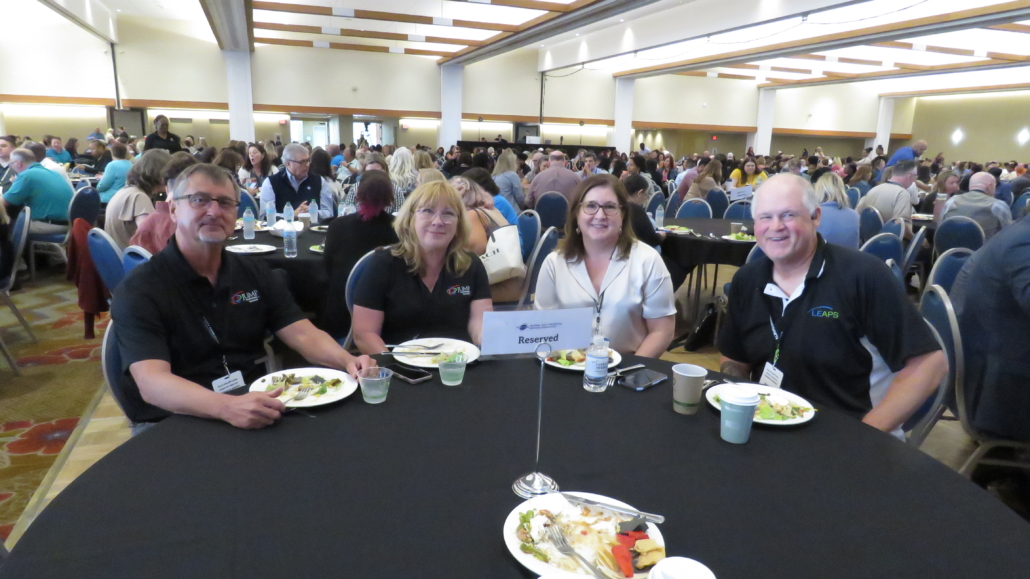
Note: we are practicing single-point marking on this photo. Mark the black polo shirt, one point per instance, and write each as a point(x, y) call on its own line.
point(843, 338)
point(159, 312)
point(173, 144)
point(410, 309)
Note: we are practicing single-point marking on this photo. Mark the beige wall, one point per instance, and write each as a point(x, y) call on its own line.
point(842, 147)
point(839, 107)
point(60, 120)
point(169, 60)
point(990, 122)
point(587, 94)
point(904, 113)
point(691, 100)
point(416, 135)
point(682, 142)
point(508, 84)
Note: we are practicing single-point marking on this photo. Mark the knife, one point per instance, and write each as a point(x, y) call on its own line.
point(419, 353)
point(577, 500)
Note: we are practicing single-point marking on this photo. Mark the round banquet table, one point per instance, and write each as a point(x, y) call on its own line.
point(690, 251)
point(308, 275)
point(420, 485)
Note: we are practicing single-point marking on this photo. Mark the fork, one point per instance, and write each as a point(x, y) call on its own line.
point(558, 538)
point(301, 394)
point(424, 347)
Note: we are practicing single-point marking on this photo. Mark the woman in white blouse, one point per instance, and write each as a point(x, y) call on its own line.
point(602, 265)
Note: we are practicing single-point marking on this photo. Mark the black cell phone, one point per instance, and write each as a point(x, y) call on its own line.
point(409, 374)
point(642, 380)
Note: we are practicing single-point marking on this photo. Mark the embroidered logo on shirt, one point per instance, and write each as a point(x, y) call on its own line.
point(823, 312)
point(249, 297)
point(460, 289)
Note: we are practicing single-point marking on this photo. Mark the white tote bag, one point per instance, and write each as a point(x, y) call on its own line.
point(503, 257)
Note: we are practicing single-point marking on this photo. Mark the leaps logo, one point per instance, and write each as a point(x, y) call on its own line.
point(460, 289)
point(249, 297)
point(823, 312)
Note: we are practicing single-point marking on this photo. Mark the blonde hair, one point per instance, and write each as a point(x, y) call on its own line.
point(457, 260)
point(402, 169)
point(830, 187)
point(471, 193)
point(424, 160)
point(942, 179)
point(429, 176)
point(506, 162)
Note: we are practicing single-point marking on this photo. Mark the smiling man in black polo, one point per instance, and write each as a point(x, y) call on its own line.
point(827, 322)
point(191, 322)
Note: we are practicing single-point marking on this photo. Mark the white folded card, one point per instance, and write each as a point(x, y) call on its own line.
point(521, 332)
point(739, 193)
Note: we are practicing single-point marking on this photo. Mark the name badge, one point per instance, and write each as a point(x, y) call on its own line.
point(771, 376)
point(230, 382)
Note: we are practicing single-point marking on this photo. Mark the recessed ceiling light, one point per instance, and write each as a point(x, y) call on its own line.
point(622, 19)
point(577, 34)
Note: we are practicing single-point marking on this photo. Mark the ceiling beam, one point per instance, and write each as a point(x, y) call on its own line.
point(954, 51)
point(959, 20)
point(834, 78)
point(1012, 27)
point(383, 16)
point(345, 46)
point(712, 74)
point(364, 34)
point(530, 4)
point(231, 22)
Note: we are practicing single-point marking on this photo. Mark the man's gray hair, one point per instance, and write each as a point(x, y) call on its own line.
point(905, 167)
point(214, 173)
point(294, 150)
point(556, 156)
point(24, 155)
point(808, 194)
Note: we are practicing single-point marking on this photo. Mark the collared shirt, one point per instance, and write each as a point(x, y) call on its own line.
point(976, 205)
point(43, 191)
point(846, 331)
point(902, 154)
point(64, 157)
point(557, 179)
point(172, 144)
point(159, 312)
point(326, 203)
point(891, 200)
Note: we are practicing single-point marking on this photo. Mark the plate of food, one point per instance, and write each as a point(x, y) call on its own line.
point(320, 248)
point(446, 347)
point(677, 229)
point(250, 249)
point(259, 225)
point(576, 360)
point(739, 237)
point(324, 386)
point(776, 406)
point(617, 546)
point(320, 228)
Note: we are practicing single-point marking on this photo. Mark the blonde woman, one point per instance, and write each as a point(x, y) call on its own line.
point(507, 179)
point(839, 222)
point(423, 160)
point(429, 175)
point(402, 171)
point(429, 284)
point(708, 179)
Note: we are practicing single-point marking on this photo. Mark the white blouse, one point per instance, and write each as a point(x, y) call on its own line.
point(634, 289)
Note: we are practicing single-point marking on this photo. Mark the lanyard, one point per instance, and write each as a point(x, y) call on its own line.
point(214, 336)
point(778, 336)
point(785, 321)
point(597, 318)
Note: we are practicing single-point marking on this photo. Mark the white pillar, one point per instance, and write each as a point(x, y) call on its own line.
point(621, 134)
point(761, 139)
point(450, 105)
point(241, 96)
point(884, 120)
point(3, 126)
point(334, 129)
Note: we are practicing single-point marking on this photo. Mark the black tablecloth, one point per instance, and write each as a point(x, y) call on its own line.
point(690, 251)
point(420, 485)
point(308, 276)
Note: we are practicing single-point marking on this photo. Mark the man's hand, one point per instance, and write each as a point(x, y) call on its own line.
point(302, 208)
point(360, 363)
point(253, 410)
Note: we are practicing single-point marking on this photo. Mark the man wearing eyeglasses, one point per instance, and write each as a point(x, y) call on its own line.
point(297, 186)
point(190, 323)
point(824, 321)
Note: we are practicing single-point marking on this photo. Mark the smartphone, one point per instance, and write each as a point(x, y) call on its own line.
point(642, 380)
point(409, 374)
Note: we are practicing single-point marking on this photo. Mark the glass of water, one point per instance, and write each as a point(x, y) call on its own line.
point(452, 371)
point(374, 382)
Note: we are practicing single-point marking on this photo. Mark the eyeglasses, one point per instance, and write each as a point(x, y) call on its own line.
point(429, 214)
point(203, 200)
point(610, 209)
point(304, 162)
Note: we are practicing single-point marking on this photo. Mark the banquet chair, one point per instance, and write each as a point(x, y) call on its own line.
point(655, 188)
point(755, 253)
point(945, 269)
point(529, 231)
point(85, 204)
point(1018, 205)
point(922, 421)
point(348, 295)
point(719, 201)
point(896, 270)
point(111, 365)
point(854, 195)
point(694, 208)
point(673, 204)
point(7, 277)
point(107, 257)
point(958, 231)
point(134, 256)
point(544, 247)
point(870, 223)
point(738, 210)
point(654, 202)
point(1004, 192)
point(894, 226)
point(912, 252)
point(553, 208)
point(246, 202)
point(884, 246)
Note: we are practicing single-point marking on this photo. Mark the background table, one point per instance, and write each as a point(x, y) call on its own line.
point(309, 279)
point(690, 251)
point(420, 485)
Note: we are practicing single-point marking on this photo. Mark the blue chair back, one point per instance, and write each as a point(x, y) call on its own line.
point(694, 208)
point(946, 268)
point(853, 196)
point(529, 231)
point(107, 258)
point(548, 241)
point(1004, 192)
point(913, 250)
point(85, 205)
point(738, 210)
point(884, 246)
point(553, 209)
point(673, 205)
point(1021, 202)
point(917, 426)
point(870, 223)
point(654, 202)
point(958, 231)
point(894, 226)
point(936, 309)
point(19, 236)
point(348, 294)
point(755, 253)
point(134, 256)
point(111, 365)
point(896, 270)
point(718, 200)
point(246, 202)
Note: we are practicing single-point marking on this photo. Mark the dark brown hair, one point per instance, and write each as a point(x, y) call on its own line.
point(572, 247)
point(375, 193)
point(265, 164)
point(180, 160)
point(229, 160)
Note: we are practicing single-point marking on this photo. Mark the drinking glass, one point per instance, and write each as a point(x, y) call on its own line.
point(453, 371)
point(374, 382)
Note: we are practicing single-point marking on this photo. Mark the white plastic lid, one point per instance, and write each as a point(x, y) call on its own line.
point(739, 394)
point(598, 340)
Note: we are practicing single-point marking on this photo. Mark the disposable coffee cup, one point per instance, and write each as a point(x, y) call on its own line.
point(680, 568)
point(687, 382)
point(305, 218)
point(738, 413)
point(736, 227)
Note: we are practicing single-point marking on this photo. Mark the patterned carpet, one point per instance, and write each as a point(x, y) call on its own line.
point(60, 377)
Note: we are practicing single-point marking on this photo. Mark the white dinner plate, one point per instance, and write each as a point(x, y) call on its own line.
point(252, 249)
point(555, 503)
point(730, 238)
point(683, 231)
point(449, 345)
point(712, 392)
point(614, 359)
point(320, 228)
point(345, 390)
point(259, 225)
point(922, 216)
point(317, 248)
point(280, 227)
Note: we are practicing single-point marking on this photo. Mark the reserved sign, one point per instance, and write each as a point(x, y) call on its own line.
point(522, 332)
